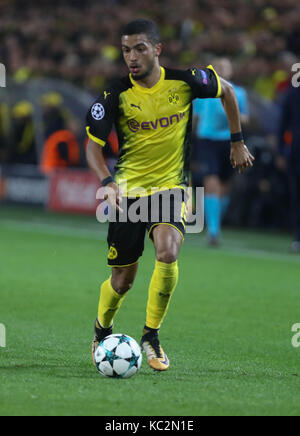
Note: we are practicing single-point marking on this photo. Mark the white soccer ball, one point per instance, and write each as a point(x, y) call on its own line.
point(118, 356)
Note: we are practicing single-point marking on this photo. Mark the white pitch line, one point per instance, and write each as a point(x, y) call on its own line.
point(230, 247)
point(74, 232)
point(53, 229)
point(261, 254)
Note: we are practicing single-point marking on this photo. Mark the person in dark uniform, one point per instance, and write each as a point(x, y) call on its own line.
point(211, 160)
point(290, 122)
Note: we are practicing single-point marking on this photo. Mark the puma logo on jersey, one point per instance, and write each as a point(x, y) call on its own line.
point(136, 106)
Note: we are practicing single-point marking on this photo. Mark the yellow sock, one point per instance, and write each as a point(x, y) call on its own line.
point(109, 304)
point(162, 287)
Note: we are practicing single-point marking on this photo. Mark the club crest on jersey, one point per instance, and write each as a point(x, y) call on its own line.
point(113, 254)
point(98, 112)
point(174, 98)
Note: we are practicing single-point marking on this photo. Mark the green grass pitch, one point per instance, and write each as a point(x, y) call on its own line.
point(228, 332)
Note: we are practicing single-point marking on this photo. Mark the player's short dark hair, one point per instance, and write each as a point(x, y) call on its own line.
point(147, 27)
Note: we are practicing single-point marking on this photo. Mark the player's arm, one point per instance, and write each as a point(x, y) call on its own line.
point(96, 161)
point(206, 83)
point(244, 107)
point(99, 124)
point(240, 156)
point(245, 119)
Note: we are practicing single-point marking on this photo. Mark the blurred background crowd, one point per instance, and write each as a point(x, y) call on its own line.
point(60, 54)
point(79, 40)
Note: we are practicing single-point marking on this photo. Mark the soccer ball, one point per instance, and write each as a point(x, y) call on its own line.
point(118, 356)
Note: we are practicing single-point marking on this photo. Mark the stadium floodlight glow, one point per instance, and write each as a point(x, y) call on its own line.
point(2, 76)
point(296, 77)
point(2, 336)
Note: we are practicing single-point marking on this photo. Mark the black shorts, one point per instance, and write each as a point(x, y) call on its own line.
point(212, 158)
point(126, 239)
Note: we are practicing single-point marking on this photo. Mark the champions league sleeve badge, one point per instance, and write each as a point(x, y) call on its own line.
point(98, 112)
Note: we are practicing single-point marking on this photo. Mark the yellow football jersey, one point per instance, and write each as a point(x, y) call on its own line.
point(154, 127)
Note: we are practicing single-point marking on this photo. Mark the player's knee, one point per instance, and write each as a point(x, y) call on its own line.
point(122, 287)
point(123, 279)
point(169, 255)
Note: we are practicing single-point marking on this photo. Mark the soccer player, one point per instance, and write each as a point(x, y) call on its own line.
point(151, 109)
point(211, 151)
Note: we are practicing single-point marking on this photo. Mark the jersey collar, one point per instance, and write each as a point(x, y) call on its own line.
point(154, 88)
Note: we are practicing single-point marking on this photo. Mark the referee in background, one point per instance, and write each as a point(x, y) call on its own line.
point(211, 163)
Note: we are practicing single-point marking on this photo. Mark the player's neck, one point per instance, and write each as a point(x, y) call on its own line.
point(152, 79)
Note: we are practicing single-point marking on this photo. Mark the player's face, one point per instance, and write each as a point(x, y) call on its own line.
point(140, 55)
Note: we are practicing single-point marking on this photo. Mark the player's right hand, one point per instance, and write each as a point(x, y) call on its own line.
point(240, 156)
point(113, 196)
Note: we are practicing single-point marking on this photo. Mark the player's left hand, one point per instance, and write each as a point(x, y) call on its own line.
point(240, 156)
